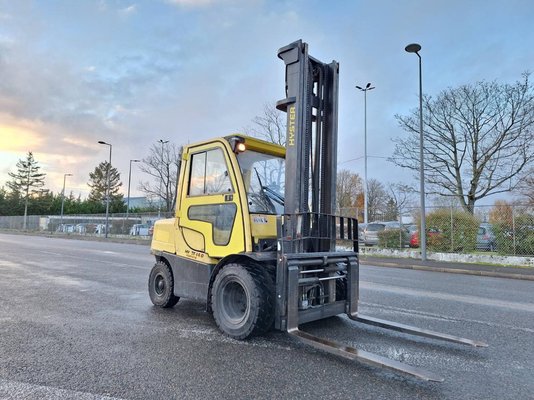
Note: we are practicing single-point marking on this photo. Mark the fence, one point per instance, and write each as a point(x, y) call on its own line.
point(91, 224)
point(502, 229)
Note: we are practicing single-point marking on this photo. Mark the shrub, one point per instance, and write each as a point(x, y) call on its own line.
point(524, 236)
point(460, 235)
point(393, 238)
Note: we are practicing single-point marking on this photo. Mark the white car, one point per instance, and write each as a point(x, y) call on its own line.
point(139, 230)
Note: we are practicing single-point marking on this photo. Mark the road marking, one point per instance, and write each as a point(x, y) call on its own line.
point(95, 262)
point(426, 315)
point(19, 390)
point(483, 301)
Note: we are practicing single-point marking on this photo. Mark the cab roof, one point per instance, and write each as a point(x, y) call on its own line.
point(261, 146)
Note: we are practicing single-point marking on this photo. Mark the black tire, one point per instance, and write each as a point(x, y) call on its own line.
point(243, 301)
point(161, 286)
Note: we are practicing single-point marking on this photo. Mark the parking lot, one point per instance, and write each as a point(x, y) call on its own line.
point(76, 322)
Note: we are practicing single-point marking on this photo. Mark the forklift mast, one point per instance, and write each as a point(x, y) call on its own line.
point(311, 149)
point(314, 280)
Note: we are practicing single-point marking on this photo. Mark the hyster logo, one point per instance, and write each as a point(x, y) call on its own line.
point(292, 119)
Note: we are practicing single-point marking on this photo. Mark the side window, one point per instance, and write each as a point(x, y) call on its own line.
point(198, 174)
point(209, 174)
point(220, 216)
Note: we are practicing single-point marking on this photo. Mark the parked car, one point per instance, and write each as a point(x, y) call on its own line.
point(82, 228)
point(414, 238)
point(66, 228)
point(361, 229)
point(411, 228)
point(371, 231)
point(486, 238)
point(139, 230)
point(100, 229)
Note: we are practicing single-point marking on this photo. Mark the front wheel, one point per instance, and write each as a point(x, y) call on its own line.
point(243, 301)
point(161, 286)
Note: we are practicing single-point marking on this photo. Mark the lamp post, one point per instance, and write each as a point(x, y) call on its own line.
point(365, 195)
point(163, 142)
point(129, 180)
point(107, 184)
point(415, 48)
point(63, 197)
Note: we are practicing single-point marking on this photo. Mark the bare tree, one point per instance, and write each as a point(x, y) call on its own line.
point(349, 193)
point(271, 126)
point(526, 187)
point(162, 164)
point(377, 199)
point(501, 213)
point(478, 139)
point(402, 196)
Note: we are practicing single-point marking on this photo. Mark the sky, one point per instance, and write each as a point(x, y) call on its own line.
point(133, 72)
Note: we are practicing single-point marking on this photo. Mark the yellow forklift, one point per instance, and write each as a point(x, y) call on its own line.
point(255, 235)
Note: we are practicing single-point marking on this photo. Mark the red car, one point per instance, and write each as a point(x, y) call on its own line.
point(414, 239)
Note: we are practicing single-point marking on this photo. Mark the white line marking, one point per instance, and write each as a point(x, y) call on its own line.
point(96, 262)
point(426, 315)
point(19, 390)
point(482, 301)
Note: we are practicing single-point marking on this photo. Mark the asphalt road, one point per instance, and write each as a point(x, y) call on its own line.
point(76, 323)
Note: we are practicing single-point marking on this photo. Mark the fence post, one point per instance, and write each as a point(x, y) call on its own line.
point(513, 229)
point(400, 229)
point(452, 230)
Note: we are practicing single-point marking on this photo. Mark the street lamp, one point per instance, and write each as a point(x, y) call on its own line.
point(367, 87)
point(107, 184)
point(63, 197)
point(129, 180)
point(415, 48)
point(163, 142)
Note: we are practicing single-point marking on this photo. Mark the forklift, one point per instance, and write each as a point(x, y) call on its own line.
point(255, 236)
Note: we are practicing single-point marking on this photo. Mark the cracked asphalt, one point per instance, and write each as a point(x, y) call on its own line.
point(76, 323)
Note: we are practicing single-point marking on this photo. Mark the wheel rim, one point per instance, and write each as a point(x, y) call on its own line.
point(159, 285)
point(234, 302)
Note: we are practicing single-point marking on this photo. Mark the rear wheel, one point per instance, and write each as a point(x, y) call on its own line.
point(243, 301)
point(161, 286)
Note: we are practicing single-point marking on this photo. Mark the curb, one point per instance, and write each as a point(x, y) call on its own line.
point(109, 239)
point(490, 274)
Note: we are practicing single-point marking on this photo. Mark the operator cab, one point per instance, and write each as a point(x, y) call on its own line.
point(262, 167)
point(264, 179)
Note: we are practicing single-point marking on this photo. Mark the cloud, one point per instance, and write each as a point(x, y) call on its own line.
point(18, 137)
point(193, 3)
point(60, 107)
point(73, 73)
point(124, 12)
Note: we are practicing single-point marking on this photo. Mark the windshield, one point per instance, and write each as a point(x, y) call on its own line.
point(264, 178)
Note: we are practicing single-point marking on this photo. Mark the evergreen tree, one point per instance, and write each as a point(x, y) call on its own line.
point(4, 208)
point(26, 181)
point(98, 184)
